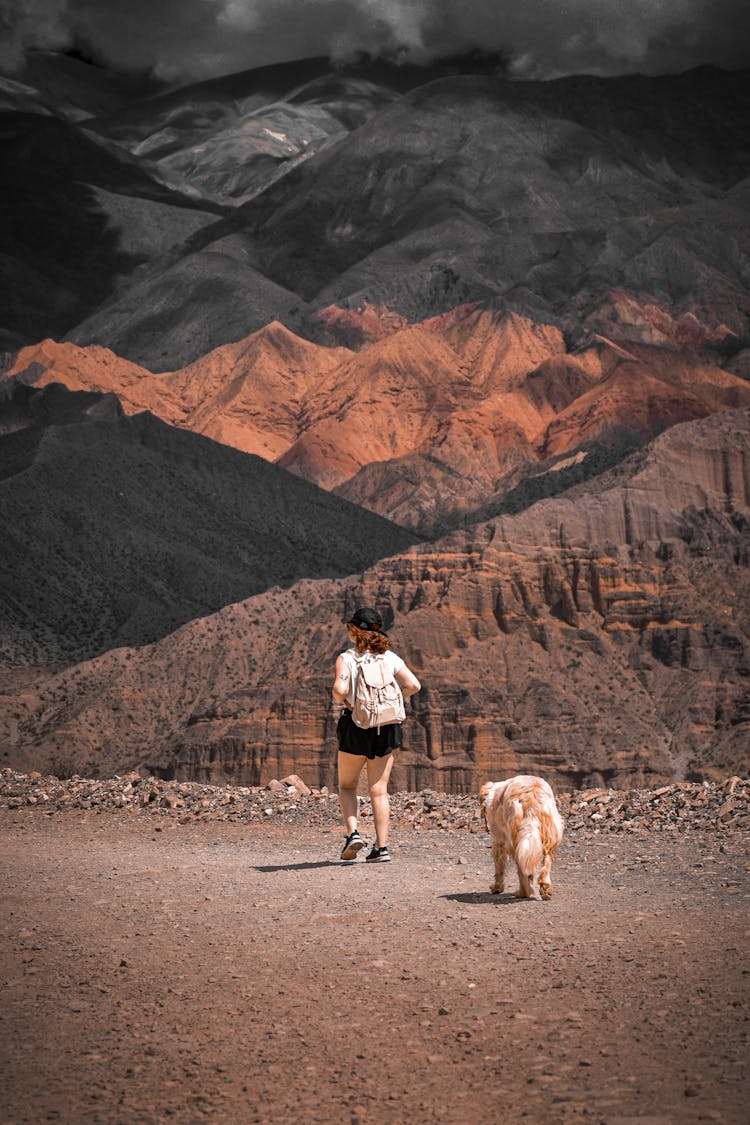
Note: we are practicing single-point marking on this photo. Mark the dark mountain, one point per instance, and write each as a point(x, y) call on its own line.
point(25, 408)
point(190, 303)
point(79, 88)
point(78, 215)
point(371, 194)
point(547, 196)
point(229, 138)
point(117, 530)
point(226, 141)
point(524, 185)
point(300, 81)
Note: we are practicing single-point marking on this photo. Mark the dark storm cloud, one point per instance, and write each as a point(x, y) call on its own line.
point(187, 39)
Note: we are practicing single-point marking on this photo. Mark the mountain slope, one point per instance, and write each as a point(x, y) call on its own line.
point(549, 196)
point(251, 394)
point(78, 216)
point(229, 138)
point(228, 144)
point(78, 89)
point(598, 639)
point(186, 305)
point(138, 527)
point(524, 164)
point(430, 424)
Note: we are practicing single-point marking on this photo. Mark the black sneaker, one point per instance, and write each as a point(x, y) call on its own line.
point(353, 844)
point(378, 855)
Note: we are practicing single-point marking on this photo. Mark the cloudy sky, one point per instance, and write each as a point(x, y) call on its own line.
point(183, 40)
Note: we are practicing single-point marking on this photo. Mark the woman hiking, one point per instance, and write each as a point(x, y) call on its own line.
point(362, 739)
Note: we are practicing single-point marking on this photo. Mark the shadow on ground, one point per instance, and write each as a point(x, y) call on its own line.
point(300, 866)
point(480, 898)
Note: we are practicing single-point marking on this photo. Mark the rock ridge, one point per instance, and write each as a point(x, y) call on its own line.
point(599, 641)
point(430, 425)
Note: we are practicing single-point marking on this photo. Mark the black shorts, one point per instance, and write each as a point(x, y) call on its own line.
point(372, 743)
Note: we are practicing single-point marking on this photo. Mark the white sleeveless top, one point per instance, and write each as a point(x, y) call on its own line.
point(393, 662)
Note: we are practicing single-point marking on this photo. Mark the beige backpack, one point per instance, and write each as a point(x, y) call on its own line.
point(377, 696)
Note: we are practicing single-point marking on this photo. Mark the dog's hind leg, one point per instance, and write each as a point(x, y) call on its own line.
point(499, 856)
point(528, 851)
point(526, 888)
point(545, 877)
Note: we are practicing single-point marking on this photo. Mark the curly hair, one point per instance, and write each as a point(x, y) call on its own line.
point(368, 640)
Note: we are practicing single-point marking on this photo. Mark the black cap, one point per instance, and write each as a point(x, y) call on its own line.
point(366, 618)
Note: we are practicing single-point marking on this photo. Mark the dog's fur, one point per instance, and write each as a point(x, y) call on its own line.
point(522, 817)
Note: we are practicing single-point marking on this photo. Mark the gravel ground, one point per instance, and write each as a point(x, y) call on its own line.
point(171, 967)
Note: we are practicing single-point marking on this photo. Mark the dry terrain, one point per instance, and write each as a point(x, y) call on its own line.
point(164, 966)
point(511, 316)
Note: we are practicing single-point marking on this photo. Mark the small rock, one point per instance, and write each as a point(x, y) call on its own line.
point(297, 783)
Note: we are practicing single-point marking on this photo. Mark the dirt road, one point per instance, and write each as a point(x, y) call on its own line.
point(223, 973)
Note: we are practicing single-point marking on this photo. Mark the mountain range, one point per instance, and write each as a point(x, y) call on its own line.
point(263, 332)
point(430, 426)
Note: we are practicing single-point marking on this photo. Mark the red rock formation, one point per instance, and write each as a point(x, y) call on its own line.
point(248, 394)
point(251, 394)
point(356, 328)
point(622, 316)
point(431, 422)
point(603, 638)
point(83, 369)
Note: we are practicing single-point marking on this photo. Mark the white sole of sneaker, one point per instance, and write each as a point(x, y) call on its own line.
point(352, 851)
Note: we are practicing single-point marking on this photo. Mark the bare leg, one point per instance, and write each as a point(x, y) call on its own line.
point(349, 769)
point(545, 878)
point(378, 774)
point(498, 855)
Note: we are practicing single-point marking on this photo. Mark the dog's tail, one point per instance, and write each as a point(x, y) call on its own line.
point(551, 828)
point(529, 850)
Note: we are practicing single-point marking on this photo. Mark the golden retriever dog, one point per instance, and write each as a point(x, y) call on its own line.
point(523, 820)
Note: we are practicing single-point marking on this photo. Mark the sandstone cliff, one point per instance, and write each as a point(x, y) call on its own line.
point(601, 638)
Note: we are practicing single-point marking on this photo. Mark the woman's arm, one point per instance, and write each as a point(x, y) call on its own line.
point(341, 680)
point(408, 682)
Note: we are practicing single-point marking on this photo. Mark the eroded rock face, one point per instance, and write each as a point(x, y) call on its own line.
point(598, 639)
point(429, 426)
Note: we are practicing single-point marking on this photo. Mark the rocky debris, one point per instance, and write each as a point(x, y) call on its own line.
point(681, 806)
point(684, 804)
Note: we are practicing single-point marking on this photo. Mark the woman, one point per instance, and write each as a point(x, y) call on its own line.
point(371, 747)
